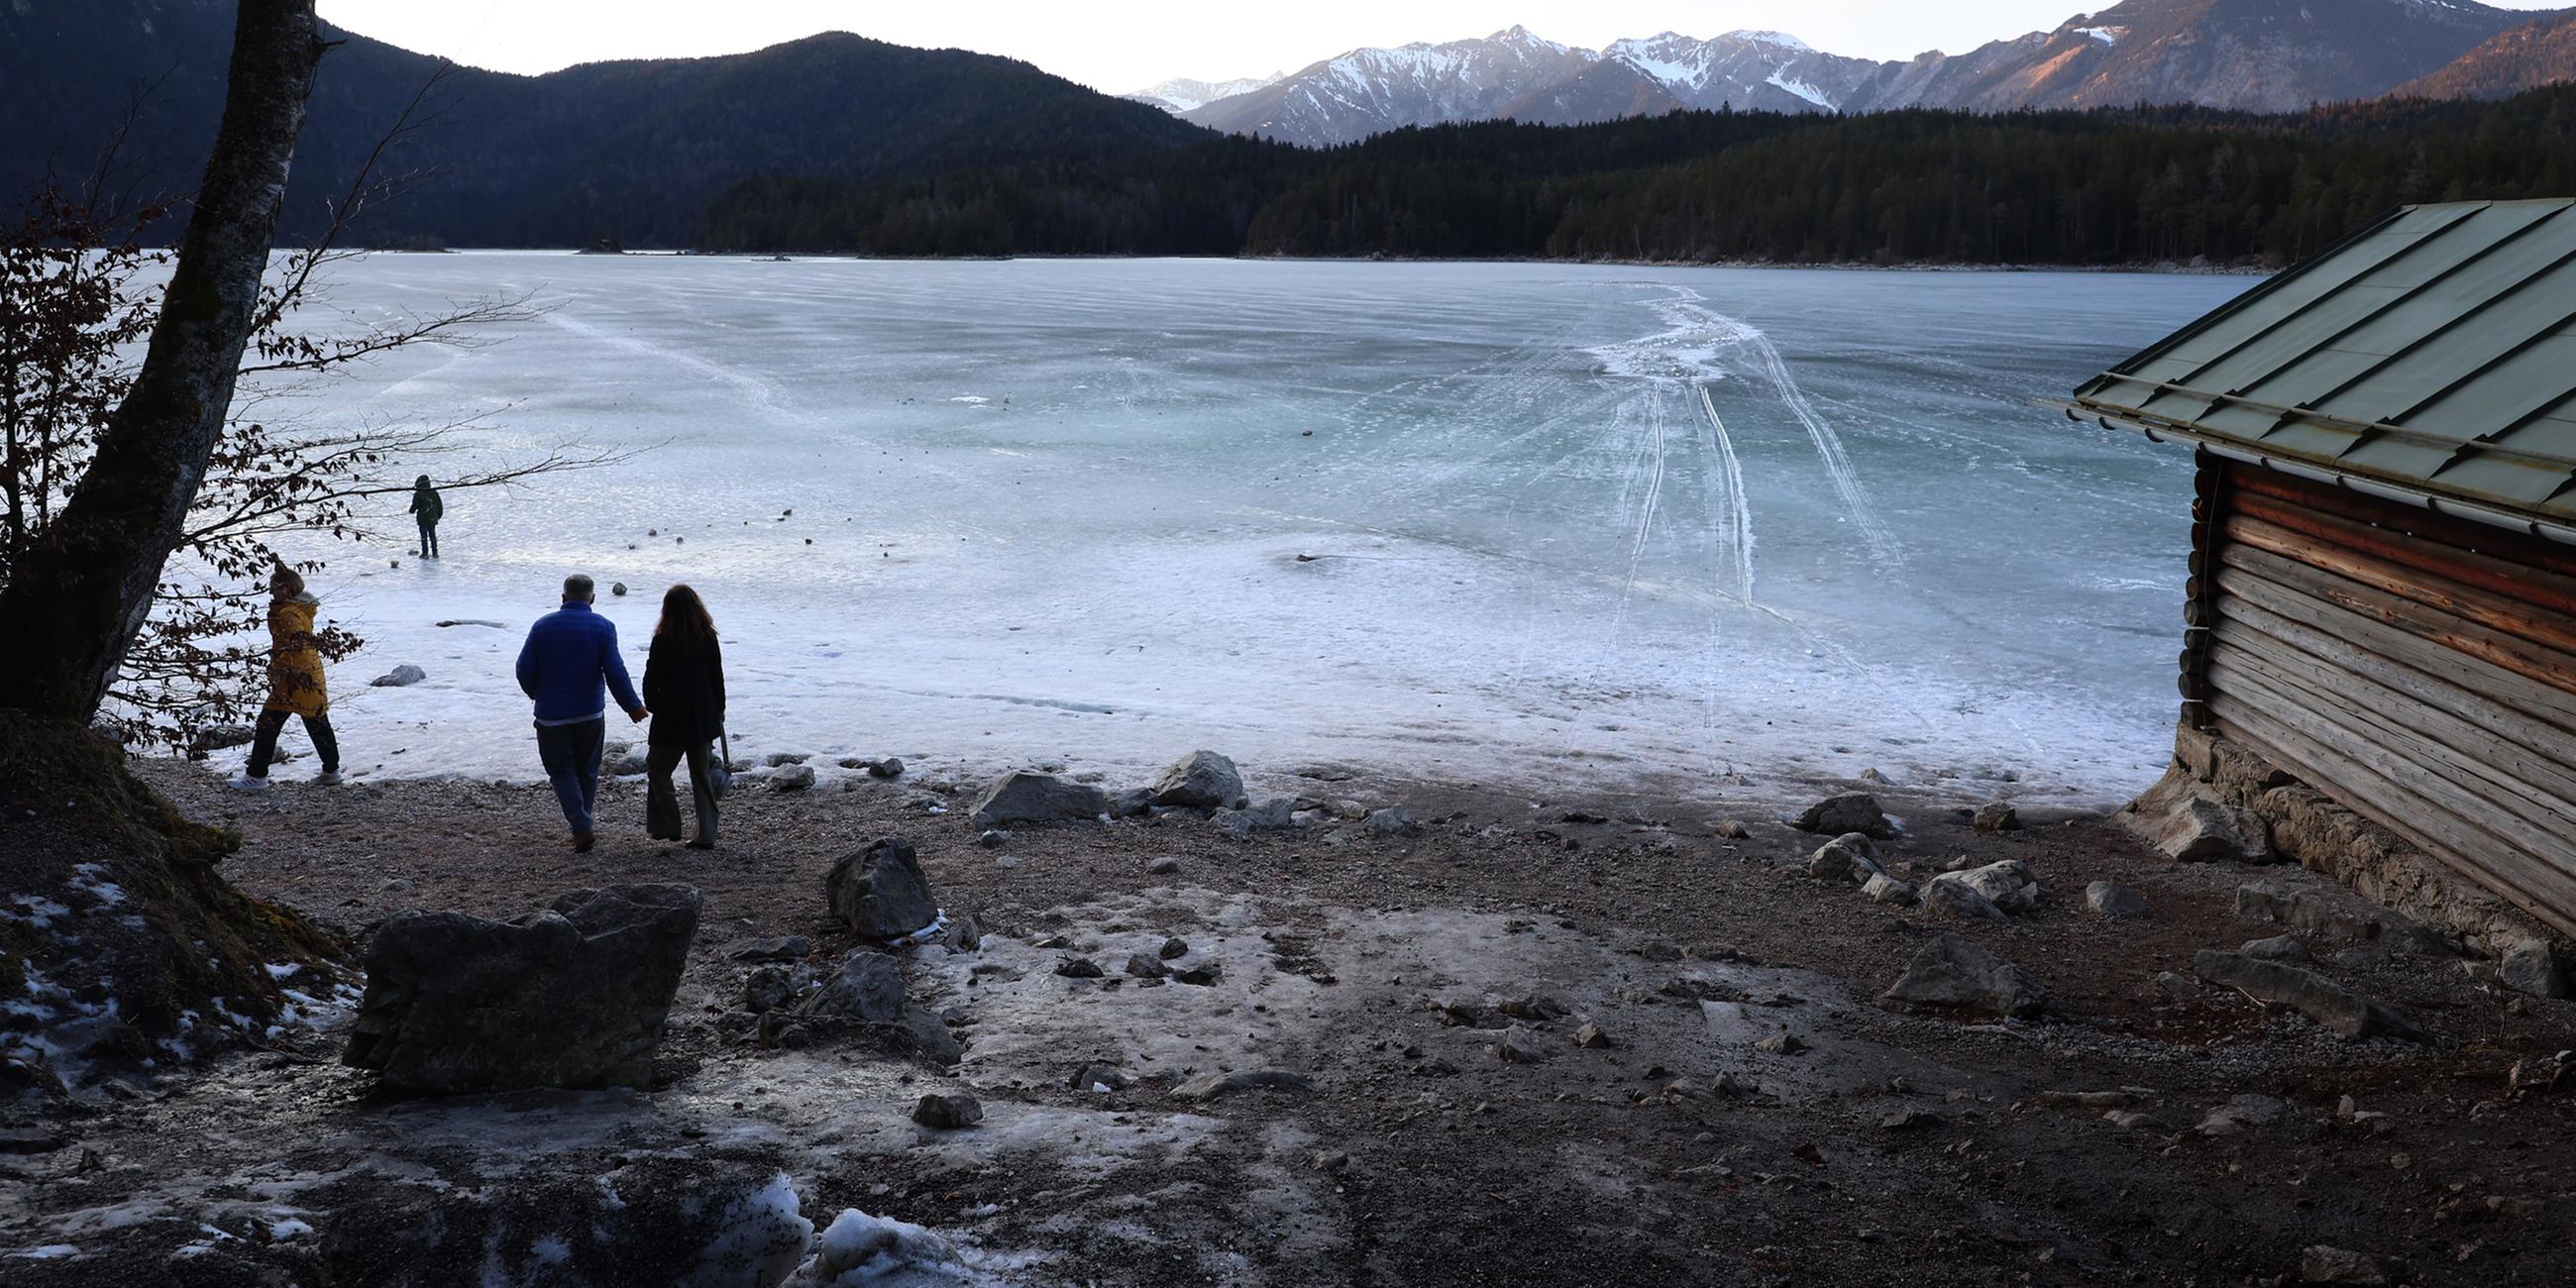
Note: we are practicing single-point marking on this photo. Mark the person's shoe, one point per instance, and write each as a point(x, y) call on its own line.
point(247, 783)
point(702, 845)
point(329, 778)
point(583, 841)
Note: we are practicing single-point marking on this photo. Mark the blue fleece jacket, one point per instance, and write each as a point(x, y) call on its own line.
point(568, 664)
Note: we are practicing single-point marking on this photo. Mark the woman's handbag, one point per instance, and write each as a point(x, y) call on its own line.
point(720, 774)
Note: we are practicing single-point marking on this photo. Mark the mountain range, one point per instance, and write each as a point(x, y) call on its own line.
point(2249, 55)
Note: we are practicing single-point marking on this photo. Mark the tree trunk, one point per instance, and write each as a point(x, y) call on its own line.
point(76, 600)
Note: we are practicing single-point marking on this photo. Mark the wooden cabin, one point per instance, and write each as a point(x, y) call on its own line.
point(2382, 601)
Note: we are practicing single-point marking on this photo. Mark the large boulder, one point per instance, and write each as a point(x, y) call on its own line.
point(869, 991)
point(1020, 798)
point(2185, 820)
point(1952, 973)
point(574, 996)
point(881, 891)
point(2313, 995)
point(1849, 812)
point(1199, 780)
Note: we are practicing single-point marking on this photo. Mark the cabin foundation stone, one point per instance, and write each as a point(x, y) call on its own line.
point(2311, 829)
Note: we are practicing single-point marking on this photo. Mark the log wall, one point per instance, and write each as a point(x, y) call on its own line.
point(2420, 669)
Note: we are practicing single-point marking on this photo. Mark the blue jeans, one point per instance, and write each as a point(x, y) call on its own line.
point(571, 756)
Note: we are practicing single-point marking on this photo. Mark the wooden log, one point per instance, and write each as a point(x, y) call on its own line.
point(2465, 534)
point(2507, 688)
point(2529, 884)
point(2391, 729)
point(2499, 612)
point(2518, 581)
point(2533, 746)
point(2519, 655)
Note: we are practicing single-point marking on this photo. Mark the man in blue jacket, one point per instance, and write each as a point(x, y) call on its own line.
point(568, 665)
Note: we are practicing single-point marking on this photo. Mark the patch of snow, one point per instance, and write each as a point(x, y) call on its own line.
point(974, 400)
point(1802, 89)
point(1780, 38)
point(2107, 35)
point(47, 1252)
point(863, 1251)
point(760, 1238)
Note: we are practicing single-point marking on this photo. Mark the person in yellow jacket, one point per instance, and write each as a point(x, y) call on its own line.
point(294, 684)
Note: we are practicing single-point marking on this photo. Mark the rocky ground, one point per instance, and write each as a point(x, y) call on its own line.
point(1526, 1041)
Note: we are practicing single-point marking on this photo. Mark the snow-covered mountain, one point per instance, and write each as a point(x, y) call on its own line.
point(1764, 70)
point(1370, 91)
point(1183, 94)
point(2257, 55)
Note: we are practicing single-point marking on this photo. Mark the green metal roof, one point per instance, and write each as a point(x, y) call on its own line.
point(2434, 353)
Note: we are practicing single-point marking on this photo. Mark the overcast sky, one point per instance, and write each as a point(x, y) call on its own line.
point(1121, 45)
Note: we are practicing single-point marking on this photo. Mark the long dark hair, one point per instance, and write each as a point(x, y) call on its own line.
point(685, 622)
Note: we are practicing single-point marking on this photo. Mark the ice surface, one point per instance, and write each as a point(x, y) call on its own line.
point(1492, 522)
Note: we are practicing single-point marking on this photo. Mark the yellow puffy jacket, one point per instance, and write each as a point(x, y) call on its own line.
point(294, 664)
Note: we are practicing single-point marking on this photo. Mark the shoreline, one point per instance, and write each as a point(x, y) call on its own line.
point(2159, 269)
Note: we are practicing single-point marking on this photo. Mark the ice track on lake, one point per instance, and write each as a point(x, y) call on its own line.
point(1503, 523)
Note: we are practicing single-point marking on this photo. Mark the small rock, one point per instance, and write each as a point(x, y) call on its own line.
point(1590, 1036)
point(1199, 780)
point(1732, 830)
point(2324, 1264)
point(1212, 1085)
point(769, 988)
point(1078, 968)
point(2134, 1120)
point(617, 588)
point(1096, 1078)
point(2320, 999)
point(792, 778)
point(881, 891)
point(1883, 888)
point(1164, 867)
point(948, 1112)
point(2278, 948)
point(1875, 778)
point(1996, 816)
point(2112, 899)
point(2534, 966)
point(1848, 812)
point(777, 759)
point(1203, 974)
point(401, 677)
point(2240, 1113)
point(2007, 885)
point(1276, 815)
point(1782, 1044)
point(787, 948)
point(2185, 820)
point(993, 838)
point(1519, 1046)
point(1836, 862)
point(1143, 966)
point(1959, 900)
point(1909, 1120)
point(1394, 820)
point(1173, 948)
point(1955, 973)
point(1037, 798)
point(890, 767)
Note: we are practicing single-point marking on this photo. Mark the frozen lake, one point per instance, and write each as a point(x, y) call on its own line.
point(1504, 523)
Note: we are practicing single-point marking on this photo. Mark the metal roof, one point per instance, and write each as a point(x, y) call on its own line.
point(2433, 354)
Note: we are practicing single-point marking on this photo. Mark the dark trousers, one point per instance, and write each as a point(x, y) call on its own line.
point(429, 541)
point(263, 743)
point(571, 756)
point(662, 805)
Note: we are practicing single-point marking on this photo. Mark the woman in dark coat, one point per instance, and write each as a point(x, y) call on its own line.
point(426, 509)
point(684, 688)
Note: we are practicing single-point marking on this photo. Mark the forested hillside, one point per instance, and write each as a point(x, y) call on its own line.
point(2093, 188)
point(627, 150)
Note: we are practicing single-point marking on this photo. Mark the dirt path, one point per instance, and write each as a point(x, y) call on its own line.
point(1381, 972)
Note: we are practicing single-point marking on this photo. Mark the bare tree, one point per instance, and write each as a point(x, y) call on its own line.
point(70, 306)
point(80, 592)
